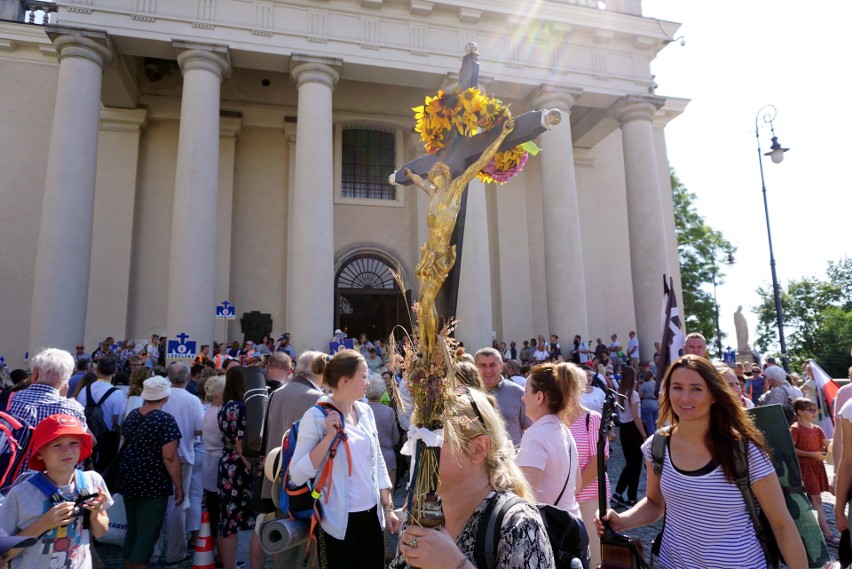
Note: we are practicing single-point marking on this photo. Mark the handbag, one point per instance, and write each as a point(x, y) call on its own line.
point(621, 551)
point(617, 551)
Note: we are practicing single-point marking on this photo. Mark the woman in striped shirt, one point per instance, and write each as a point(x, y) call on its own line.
point(707, 523)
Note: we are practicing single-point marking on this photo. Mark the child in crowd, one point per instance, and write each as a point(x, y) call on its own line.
point(811, 446)
point(58, 504)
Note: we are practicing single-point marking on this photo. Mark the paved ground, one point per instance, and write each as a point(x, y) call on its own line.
point(111, 555)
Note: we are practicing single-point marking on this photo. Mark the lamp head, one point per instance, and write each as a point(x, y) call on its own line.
point(777, 151)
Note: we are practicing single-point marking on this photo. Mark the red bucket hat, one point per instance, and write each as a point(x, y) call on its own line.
point(53, 427)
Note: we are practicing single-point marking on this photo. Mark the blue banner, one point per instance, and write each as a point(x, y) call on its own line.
point(226, 311)
point(336, 346)
point(182, 348)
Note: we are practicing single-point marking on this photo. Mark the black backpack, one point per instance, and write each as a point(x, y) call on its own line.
point(107, 440)
point(569, 540)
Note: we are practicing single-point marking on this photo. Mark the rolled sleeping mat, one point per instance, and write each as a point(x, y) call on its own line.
point(256, 397)
point(282, 534)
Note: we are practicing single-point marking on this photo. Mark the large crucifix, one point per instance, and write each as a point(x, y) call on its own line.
point(444, 177)
point(448, 173)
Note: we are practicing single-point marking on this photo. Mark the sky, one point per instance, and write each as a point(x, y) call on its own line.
point(738, 57)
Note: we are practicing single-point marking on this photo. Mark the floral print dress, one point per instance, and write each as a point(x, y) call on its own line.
point(522, 544)
point(235, 513)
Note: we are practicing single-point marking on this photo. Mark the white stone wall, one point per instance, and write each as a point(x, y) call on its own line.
point(393, 55)
point(29, 72)
point(152, 227)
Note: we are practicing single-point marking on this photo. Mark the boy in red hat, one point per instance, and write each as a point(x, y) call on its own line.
point(58, 504)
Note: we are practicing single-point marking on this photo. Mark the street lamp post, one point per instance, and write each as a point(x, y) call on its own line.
point(767, 115)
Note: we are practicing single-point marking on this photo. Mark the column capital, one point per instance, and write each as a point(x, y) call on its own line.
point(123, 120)
point(209, 57)
point(636, 107)
point(74, 42)
point(555, 97)
point(230, 124)
point(312, 69)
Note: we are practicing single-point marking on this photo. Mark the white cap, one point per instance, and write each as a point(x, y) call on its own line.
point(156, 388)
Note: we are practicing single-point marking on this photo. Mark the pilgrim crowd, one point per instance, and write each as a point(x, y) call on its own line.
point(523, 428)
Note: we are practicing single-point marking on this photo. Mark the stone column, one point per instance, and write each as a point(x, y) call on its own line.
point(112, 239)
point(192, 262)
point(476, 323)
point(310, 260)
point(63, 252)
point(563, 246)
point(229, 129)
point(289, 300)
point(646, 227)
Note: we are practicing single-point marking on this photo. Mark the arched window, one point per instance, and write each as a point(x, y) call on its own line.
point(367, 297)
point(366, 272)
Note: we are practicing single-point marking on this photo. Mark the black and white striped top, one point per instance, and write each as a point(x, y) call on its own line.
point(707, 522)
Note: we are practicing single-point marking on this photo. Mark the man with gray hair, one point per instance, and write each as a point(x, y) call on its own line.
point(186, 409)
point(286, 405)
point(780, 391)
point(46, 395)
point(508, 394)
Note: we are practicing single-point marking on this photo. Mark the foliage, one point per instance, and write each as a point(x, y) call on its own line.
point(817, 319)
point(702, 250)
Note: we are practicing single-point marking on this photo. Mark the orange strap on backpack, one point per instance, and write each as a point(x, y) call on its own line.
point(325, 479)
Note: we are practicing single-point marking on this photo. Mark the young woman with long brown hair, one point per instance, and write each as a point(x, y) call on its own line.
point(707, 521)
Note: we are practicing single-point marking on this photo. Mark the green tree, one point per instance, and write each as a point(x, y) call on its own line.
point(701, 250)
point(817, 319)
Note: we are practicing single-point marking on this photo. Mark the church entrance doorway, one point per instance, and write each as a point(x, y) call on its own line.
point(367, 298)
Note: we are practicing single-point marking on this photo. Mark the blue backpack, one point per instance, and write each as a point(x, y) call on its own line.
point(299, 501)
point(15, 443)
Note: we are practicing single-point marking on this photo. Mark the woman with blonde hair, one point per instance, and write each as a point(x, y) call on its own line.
point(134, 394)
point(477, 467)
point(211, 436)
point(548, 454)
point(697, 479)
point(467, 374)
point(585, 426)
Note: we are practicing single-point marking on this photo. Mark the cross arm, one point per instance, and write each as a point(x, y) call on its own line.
point(465, 152)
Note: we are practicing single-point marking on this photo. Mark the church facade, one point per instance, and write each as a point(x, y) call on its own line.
point(161, 157)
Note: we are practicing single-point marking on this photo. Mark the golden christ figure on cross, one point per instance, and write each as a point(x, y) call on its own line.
point(437, 256)
point(467, 135)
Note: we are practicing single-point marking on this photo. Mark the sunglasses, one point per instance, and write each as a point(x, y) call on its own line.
point(474, 405)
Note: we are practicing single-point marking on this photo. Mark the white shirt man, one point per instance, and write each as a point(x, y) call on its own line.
point(186, 409)
point(113, 406)
point(633, 350)
point(614, 346)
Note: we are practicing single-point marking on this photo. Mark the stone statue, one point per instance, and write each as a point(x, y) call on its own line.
point(437, 257)
point(743, 348)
